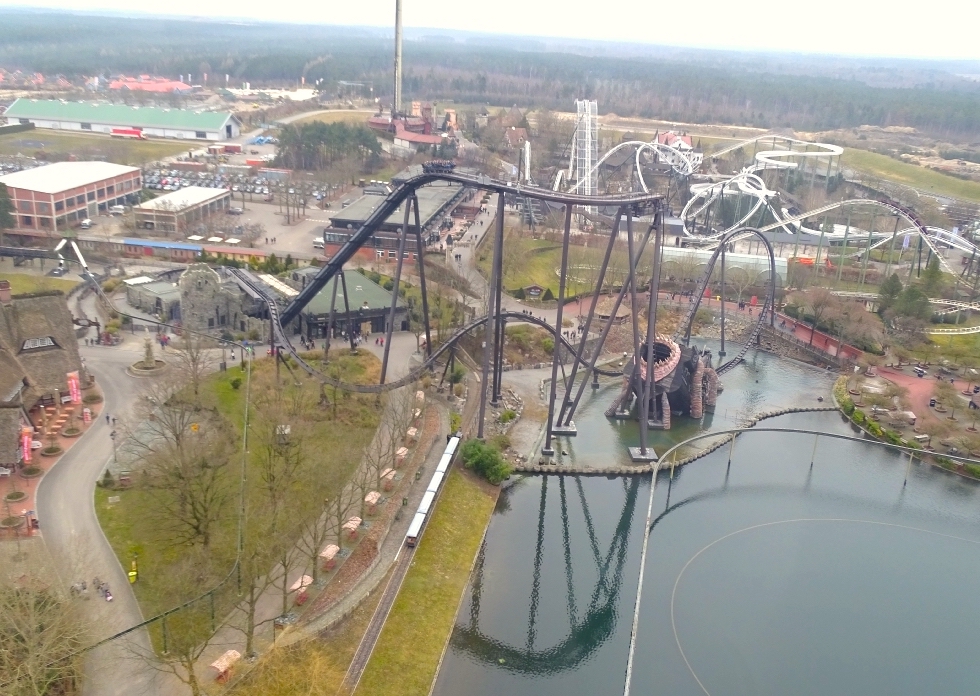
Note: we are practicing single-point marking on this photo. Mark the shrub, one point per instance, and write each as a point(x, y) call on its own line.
point(236, 382)
point(518, 294)
point(455, 422)
point(973, 470)
point(485, 460)
point(847, 405)
point(946, 463)
point(858, 416)
point(107, 480)
point(508, 415)
point(457, 375)
point(893, 437)
point(875, 429)
point(548, 345)
point(500, 442)
point(548, 295)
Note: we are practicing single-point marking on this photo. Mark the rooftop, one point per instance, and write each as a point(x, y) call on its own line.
point(184, 198)
point(118, 114)
point(431, 200)
point(161, 289)
point(63, 176)
point(360, 290)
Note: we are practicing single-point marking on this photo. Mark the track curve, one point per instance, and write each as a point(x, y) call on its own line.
point(282, 341)
point(765, 311)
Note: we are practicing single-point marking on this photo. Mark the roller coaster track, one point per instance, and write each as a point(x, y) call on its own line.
point(679, 161)
point(749, 183)
point(766, 311)
point(415, 374)
point(953, 305)
point(395, 199)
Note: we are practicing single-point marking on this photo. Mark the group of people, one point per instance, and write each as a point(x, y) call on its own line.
point(267, 240)
point(307, 343)
point(379, 341)
point(80, 589)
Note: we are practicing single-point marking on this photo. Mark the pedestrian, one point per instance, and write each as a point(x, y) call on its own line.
point(113, 421)
point(107, 418)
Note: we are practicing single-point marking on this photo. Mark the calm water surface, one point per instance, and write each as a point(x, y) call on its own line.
point(766, 578)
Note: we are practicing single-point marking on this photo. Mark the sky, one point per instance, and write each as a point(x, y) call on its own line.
point(940, 29)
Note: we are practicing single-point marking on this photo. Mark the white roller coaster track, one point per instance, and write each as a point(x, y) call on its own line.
point(749, 183)
point(955, 305)
point(682, 164)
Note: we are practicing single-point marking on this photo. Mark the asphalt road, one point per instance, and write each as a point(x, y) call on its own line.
point(71, 531)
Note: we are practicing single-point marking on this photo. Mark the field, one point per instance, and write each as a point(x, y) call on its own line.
point(83, 146)
point(133, 524)
point(334, 117)
point(22, 283)
point(408, 651)
point(885, 167)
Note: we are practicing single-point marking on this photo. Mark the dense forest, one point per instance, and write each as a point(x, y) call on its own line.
point(668, 85)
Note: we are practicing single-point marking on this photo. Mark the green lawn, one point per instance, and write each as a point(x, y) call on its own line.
point(885, 167)
point(23, 283)
point(408, 651)
point(83, 146)
point(335, 117)
point(133, 523)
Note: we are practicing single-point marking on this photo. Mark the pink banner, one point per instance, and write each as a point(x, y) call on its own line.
point(73, 388)
point(25, 444)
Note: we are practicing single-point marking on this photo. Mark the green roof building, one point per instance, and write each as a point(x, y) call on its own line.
point(102, 117)
point(369, 304)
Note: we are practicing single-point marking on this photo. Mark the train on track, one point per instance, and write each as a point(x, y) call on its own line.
point(432, 491)
point(438, 167)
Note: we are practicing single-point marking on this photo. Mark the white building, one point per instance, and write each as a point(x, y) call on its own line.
point(179, 210)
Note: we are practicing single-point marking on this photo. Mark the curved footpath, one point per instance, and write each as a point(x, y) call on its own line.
point(71, 531)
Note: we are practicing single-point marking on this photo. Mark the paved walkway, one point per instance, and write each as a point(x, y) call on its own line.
point(921, 391)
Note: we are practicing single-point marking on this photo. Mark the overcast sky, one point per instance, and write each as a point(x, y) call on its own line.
point(938, 29)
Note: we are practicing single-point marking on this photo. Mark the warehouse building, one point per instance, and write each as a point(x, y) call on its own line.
point(56, 195)
point(178, 211)
point(435, 201)
point(101, 117)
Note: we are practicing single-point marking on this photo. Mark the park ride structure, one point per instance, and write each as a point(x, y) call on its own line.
point(583, 357)
point(763, 202)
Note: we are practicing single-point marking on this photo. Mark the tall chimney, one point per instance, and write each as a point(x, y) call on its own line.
point(397, 103)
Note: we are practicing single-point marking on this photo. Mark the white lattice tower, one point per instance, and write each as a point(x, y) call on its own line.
point(585, 150)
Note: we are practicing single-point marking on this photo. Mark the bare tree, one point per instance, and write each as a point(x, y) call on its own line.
point(195, 359)
point(185, 635)
point(741, 279)
point(817, 302)
point(41, 629)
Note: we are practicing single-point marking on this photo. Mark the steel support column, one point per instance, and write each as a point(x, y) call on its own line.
point(498, 243)
point(425, 296)
point(555, 354)
point(721, 351)
point(602, 338)
point(333, 304)
point(394, 290)
point(498, 290)
point(350, 319)
point(649, 387)
point(588, 320)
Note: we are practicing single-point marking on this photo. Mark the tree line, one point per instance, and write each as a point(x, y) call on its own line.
point(694, 88)
point(318, 145)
